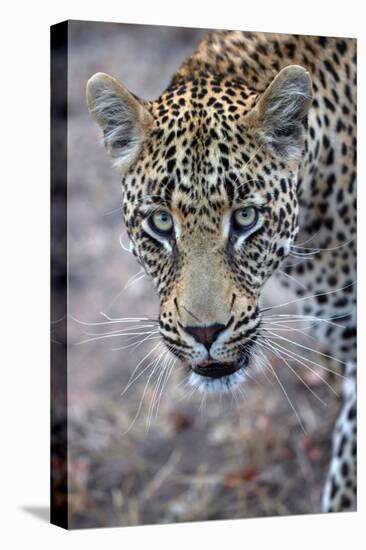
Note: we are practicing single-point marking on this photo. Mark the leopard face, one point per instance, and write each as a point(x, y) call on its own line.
point(209, 176)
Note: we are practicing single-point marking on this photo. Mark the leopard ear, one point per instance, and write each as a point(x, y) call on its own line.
point(281, 112)
point(124, 119)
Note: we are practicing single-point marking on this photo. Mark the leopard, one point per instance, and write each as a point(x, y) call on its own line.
point(248, 155)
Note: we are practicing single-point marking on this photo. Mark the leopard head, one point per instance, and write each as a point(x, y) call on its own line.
point(209, 178)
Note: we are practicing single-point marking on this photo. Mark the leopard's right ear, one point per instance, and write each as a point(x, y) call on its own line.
point(124, 119)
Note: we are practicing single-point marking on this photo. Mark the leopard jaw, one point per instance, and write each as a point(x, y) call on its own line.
point(225, 384)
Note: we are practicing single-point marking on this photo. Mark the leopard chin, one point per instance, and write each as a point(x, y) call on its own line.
point(213, 377)
point(225, 384)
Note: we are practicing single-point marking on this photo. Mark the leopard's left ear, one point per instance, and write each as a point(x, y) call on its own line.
point(124, 119)
point(281, 112)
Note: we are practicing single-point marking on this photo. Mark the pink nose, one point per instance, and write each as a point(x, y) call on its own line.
point(205, 335)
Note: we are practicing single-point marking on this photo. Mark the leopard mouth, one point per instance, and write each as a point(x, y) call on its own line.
point(213, 377)
point(212, 369)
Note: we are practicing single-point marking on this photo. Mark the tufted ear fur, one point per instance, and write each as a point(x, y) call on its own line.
point(281, 112)
point(124, 119)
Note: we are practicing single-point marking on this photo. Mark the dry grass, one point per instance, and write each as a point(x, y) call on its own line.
point(198, 459)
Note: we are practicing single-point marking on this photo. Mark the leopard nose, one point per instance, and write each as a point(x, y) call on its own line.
point(205, 335)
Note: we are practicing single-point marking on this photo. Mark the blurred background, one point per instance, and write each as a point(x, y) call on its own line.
point(194, 459)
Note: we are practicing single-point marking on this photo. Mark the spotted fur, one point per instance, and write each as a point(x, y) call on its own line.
point(256, 121)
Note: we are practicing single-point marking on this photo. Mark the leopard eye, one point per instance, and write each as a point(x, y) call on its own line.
point(245, 218)
point(161, 222)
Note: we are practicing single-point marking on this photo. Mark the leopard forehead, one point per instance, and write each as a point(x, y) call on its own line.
point(201, 157)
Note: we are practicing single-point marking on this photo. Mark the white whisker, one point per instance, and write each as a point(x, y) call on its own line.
point(308, 297)
point(296, 357)
point(142, 397)
point(161, 374)
point(265, 327)
point(286, 395)
point(132, 380)
point(113, 211)
point(310, 238)
point(272, 348)
point(285, 317)
point(135, 278)
point(136, 345)
point(121, 331)
point(115, 335)
point(112, 321)
point(292, 278)
point(306, 347)
point(318, 249)
point(299, 359)
point(168, 370)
